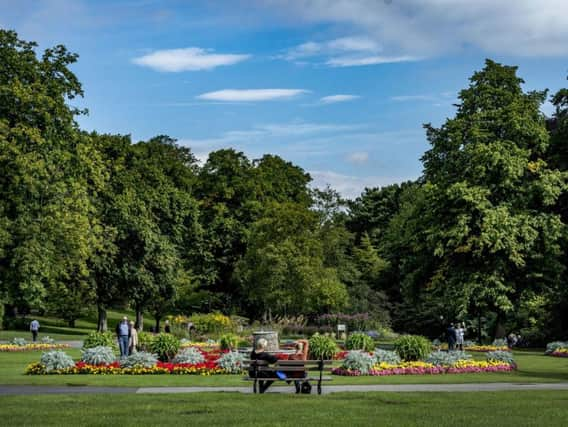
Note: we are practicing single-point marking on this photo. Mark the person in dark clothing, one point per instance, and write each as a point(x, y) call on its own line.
point(451, 335)
point(259, 353)
point(167, 328)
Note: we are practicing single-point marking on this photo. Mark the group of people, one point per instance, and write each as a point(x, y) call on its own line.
point(301, 348)
point(127, 337)
point(455, 336)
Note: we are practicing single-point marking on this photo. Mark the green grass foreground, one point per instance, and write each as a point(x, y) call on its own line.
point(533, 367)
point(525, 408)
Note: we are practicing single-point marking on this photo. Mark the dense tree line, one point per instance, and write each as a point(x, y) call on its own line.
point(93, 221)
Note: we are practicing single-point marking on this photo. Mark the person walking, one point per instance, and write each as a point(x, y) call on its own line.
point(451, 336)
point(34, 328)
point(123, 333)
point(133, 341)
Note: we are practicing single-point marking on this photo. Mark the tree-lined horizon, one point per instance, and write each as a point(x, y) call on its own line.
point(92, 221)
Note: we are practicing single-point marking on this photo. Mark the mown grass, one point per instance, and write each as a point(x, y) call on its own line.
point(533, 367)
point(524, 408)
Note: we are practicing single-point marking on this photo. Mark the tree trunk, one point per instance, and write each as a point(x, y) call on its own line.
point(71, 323)
point(102, 325)
point(479, 329)
point(157, 327)
point(139, 320)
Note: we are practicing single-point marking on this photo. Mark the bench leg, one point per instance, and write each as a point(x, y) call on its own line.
point(319, 387)
point(254, 386)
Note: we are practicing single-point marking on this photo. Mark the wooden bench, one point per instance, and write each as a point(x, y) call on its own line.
point(295, 370)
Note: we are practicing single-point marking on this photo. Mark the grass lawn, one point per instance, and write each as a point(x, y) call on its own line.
point(524, 408)
point(533, 367)
point(59, 330)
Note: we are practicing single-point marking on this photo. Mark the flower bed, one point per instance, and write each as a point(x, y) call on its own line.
point(207, 368)
point(561, 352)
point(423, 368)
point(31, 347)
point(486, 348)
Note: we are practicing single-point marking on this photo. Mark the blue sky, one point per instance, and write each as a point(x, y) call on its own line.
point(338, 87)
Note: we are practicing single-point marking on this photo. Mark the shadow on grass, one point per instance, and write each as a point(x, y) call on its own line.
point(559, 376)
point(63, 331)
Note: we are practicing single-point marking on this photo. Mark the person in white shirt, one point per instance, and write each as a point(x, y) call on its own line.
point(34, 328)
point(460, 333)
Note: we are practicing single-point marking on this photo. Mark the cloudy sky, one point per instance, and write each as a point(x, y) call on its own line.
point(338, 87)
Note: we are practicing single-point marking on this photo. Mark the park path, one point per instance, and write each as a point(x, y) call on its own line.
point(396, 388)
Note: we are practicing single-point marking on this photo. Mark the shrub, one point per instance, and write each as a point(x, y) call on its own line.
point(189, 355)
point(101, 339)
point(322, 347)
point(98, 355)
point(231, 362)
point(211, 323)
point(228, 342)
point(141, 359)
point(19, 341)
point(551, 347)
point(145, 340)
point(358, 360)
point(165, 346)
point(56, 359)
point(47, 340)
point(446, 358)
point(412, 347)
point(359, 341)
point(386, 356)
point(500, 356)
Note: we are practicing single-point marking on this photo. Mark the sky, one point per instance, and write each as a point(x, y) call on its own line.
point(340, 88)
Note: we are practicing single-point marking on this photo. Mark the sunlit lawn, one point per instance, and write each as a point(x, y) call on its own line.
point(524, 408)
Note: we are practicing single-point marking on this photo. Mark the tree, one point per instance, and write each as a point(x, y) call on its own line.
point(489, 197)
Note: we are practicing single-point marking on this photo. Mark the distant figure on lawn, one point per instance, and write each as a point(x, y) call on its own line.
point(460, 333)
point(259, 353)
point(34, 328)
point(167, 328)
point(123, 333)
point(133, 342)
point(451, 335)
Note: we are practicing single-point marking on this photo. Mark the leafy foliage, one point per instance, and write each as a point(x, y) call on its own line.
point(139, 359)
point(145, 340)
point(19, 341)
point(412, 347)
point(359, 341)
point(231, 362)
point(446, 358)
point(551, 347)
point(56, 359)
point(229, 341)
point(47, 340)
point(189, 355)
point(386, 356)
point(322, 347)
point(165, 346)
point(99, 355)
point(358, 360)
point(500, 356)
point(100, 339)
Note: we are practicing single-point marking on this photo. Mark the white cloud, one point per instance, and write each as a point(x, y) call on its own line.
point(355, 61)
point(431, 27)
point(188, 59)
point(405, 98)
point(249, 95)
point(350, 186)
point(333, 99)
point(359, 157)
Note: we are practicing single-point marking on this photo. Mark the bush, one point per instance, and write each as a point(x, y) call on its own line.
point(19, 341)
point(231, 362)
point(386, 356)
point(446, 358)
point(98, 355)
point(141, 359)
point(211, 323)
point(165, 346)
point(189, 355)
point(145, 340)
point(229, 342)
point(412, 347)
point(359, 341)
point(358, 360)
point(322, 347)
point(551, 347)
point(101, 339)
point(56, 359)
point(500, 356)
point(47, 340)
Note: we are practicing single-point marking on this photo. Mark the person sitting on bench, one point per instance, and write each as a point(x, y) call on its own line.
point(301, 353)
point(259, 353)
